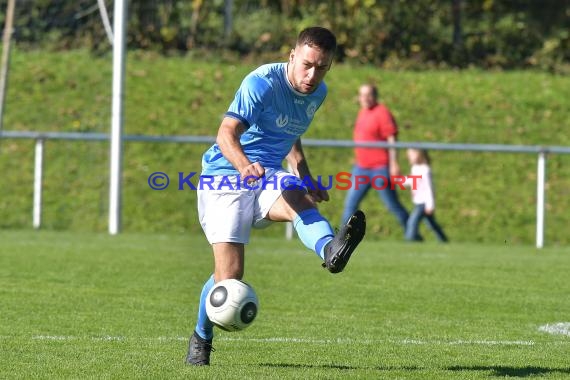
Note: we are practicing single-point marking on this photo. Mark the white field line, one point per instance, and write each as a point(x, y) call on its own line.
point(462, 342)
point(560, 328)
point(459, 342)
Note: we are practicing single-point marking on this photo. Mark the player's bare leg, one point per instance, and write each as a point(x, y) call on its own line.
point(289, 205)
point(228, 261)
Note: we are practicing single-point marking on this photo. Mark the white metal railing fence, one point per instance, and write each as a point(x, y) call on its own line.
point(540, 151)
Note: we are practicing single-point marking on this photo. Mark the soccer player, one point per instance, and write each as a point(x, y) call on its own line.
point(271, 109)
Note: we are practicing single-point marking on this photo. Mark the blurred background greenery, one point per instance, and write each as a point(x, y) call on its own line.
point(485, 72)
point(392, 33)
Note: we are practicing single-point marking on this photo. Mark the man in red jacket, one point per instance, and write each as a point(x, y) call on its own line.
point(374, 123)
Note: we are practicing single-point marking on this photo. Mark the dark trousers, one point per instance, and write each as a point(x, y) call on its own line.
point(388, 195)
point(413, 225)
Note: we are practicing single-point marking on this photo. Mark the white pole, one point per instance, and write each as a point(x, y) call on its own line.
point(38, 176)
point(105, 20)
point(540, 180)
point(120, 18)
point(288, 230)
point(6, 38)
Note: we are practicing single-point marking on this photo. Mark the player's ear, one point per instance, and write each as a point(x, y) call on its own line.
point(292, 55)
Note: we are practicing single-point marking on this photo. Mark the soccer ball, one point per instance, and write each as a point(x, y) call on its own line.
point(231, 305)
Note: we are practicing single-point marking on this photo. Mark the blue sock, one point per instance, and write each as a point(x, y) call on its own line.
point(205, 328)
point(313, 230)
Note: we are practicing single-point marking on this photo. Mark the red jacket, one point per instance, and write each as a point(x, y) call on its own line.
point(373, 124)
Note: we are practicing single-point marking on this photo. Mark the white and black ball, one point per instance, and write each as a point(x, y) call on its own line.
point(232, 305)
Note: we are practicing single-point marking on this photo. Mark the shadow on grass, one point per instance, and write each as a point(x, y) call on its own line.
point(335, 366)
point(498, 371)
point(503, 371)
point(322, 366)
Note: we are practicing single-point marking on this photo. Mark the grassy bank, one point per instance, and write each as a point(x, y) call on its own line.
point(480, 196)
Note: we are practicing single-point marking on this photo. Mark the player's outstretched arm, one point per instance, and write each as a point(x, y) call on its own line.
point(296, 158)
point(228, 140)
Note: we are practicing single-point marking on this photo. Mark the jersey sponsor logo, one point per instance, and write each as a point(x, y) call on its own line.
point(282, 120)
point(311, 109)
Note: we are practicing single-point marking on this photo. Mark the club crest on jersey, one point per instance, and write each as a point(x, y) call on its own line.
point(311, 109)
point(282, 120)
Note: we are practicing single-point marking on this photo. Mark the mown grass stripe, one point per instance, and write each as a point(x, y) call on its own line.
point(295, 340)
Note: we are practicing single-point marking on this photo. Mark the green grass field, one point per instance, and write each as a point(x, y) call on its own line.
point(86, 305)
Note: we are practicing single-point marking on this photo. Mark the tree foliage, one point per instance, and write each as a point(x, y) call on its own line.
point(402, 33)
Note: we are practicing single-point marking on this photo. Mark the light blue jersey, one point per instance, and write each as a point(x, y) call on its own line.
point(275, 115)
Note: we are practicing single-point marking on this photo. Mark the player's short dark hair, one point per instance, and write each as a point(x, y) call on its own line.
point(319, 37)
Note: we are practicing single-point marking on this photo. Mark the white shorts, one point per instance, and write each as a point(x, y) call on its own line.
point(228, 207)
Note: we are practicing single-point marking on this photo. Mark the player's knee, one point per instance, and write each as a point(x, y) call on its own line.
point(297, 200)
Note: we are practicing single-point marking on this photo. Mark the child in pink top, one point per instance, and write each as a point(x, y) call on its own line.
point(422, 196)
